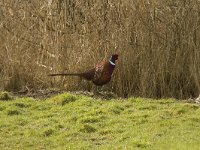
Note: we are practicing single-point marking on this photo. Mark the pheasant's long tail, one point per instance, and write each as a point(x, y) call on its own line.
point(65, 74)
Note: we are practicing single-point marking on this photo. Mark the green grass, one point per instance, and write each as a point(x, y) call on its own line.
point(78, 122)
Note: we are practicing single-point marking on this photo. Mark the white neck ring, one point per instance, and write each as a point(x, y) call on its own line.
point(112, 63)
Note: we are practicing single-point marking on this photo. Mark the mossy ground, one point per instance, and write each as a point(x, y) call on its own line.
point(69, 121)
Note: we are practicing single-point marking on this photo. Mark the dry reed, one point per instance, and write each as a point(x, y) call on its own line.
point(158, 42)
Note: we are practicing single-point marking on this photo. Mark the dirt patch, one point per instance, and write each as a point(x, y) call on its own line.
point(39, 94)
point(44, 94)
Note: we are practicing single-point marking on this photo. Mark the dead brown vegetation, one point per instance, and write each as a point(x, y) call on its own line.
point(158, 42)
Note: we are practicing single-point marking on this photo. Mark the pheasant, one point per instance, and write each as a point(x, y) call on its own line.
point(101, 74)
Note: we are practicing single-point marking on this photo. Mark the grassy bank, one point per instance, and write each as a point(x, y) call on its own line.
point(78, 122)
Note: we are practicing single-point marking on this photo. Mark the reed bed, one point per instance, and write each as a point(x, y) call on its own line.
point(157, 41)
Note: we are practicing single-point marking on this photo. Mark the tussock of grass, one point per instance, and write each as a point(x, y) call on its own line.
point(87, 128)
point(116, 109)
point(48, 132)
point(68, 121)
point(64, 99)
point(22, 105)
point(5, 96)
point(13, 112)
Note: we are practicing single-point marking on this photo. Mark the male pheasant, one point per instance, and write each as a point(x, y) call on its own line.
point(101, 74)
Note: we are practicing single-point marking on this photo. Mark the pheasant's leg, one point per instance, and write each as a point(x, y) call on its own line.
point(96, 90)
point(101, 89)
